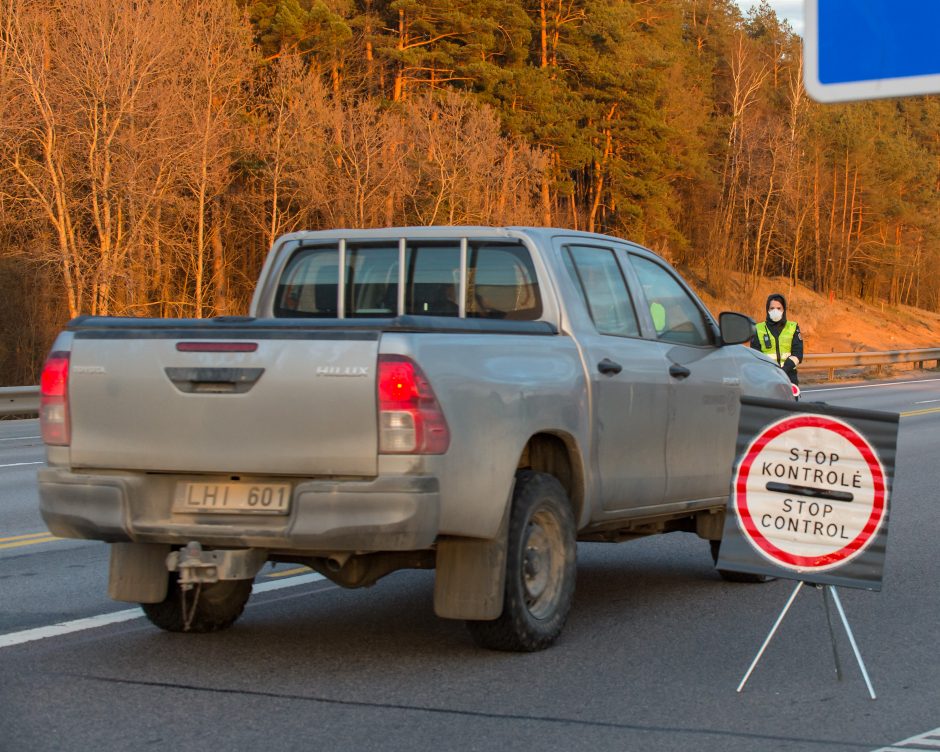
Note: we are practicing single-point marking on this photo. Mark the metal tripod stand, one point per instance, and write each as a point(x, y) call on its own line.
point(827, 591)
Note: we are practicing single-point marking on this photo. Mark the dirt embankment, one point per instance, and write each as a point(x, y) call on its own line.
point(836, 325)
point(833, 324)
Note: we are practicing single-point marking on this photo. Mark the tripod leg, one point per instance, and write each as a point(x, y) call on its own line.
point(770, 636)
point(848, 631)
point(832, 635)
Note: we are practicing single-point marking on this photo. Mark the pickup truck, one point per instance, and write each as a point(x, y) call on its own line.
point(469, 399)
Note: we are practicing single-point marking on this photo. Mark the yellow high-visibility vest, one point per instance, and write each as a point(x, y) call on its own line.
point(768, 343)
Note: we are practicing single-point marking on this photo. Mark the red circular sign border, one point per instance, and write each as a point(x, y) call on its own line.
point(854, 547)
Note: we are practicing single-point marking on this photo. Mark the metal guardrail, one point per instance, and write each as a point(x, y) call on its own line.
point(24, 400)
point(834, 361)
point(19, 400)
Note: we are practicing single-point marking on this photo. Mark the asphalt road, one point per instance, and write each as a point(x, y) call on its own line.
point(650, 659)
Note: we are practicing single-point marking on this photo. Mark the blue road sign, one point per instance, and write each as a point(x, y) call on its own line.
point(866, 49)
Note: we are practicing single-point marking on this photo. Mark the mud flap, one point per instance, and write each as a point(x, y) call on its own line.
point(138, 572)
point(471, 575)
point(710, 524)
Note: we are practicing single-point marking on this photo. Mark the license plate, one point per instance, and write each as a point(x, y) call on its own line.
point(240, 498)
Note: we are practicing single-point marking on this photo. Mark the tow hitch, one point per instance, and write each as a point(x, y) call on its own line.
point(197, 567)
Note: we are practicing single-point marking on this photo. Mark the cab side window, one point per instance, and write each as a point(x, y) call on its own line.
point(676, 316)
point(603, 289)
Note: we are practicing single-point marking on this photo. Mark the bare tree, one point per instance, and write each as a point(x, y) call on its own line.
point(287, 134)
point(467, 168)
point(369, 163)
point(747, 78)
point(93, 146)
point(211, 90)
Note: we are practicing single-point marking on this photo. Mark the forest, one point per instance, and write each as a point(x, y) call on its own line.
point(151, 151)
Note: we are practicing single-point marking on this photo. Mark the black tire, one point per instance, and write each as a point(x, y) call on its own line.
point(737, 576)
point(541, 563)
point(218, 605)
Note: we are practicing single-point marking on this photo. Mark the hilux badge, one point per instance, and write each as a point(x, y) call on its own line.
point(342, 371)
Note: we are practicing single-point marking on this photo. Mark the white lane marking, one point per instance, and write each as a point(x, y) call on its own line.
point(926, 402)
point(870, 386)
point(21, 464)
point(20, 438)
point(66, 627)
point(927, 740)
point(102, 620)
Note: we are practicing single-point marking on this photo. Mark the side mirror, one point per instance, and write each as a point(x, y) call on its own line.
point(736, 328)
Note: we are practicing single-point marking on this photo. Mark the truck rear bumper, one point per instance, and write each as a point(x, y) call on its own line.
point(388, 513)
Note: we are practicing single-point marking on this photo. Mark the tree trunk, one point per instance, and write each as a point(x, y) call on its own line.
point(505, 184)
point(219, 274)
point(543, 35)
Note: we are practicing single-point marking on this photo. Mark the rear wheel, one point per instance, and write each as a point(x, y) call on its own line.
point(540, 568)
point(208, 607)
point(729, 576)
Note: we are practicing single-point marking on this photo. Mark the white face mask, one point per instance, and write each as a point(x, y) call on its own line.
point(775, 314)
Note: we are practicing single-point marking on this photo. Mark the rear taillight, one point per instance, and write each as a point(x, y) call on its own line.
point(54, 400)
point(410, 418)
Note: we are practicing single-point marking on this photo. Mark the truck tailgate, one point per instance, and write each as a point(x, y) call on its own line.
point(290, 402)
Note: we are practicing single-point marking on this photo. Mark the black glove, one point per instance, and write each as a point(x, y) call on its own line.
point(789, 367)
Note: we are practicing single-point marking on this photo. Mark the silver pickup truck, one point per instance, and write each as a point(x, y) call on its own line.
point(469, 399)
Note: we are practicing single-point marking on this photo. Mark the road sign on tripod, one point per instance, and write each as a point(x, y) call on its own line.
point(809, 501)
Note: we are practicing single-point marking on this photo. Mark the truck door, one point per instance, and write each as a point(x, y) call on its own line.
point(629, 383)
point(704, 387)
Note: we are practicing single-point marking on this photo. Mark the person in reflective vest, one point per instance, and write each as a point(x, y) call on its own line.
point(779, 338)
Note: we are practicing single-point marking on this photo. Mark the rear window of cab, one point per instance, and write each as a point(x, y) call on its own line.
point(500, 281)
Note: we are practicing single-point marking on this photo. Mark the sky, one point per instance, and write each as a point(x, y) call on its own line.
point(791, 10)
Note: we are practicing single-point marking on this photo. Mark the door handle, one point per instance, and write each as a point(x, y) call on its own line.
point(609, 367)
point(679, 372)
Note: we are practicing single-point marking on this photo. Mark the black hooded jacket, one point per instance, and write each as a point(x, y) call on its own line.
point(776, 327)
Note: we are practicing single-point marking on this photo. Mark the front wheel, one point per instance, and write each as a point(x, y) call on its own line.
point(729, 576)
point(540, 568)
point(207, 607)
